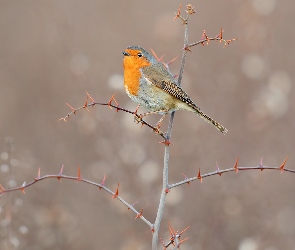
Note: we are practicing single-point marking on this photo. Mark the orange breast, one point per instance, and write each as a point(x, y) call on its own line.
point(131, 77)
point(132, 73)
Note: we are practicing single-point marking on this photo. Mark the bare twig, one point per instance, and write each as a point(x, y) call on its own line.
point(165, 187)
point(80, 179)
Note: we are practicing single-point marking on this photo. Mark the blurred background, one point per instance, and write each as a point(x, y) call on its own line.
point(52, 52)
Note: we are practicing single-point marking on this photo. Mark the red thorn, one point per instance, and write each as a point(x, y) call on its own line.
point(61, 170)
point(218, 170)
point(139, 214)
point(166, 142)
point(260, 165)
point(86, 104)
point(236, 165)
point(73, 109)
point(63, 118)
point(283, 165)
point(171, 61)
point(90, 97)
point(132, 205)
point(178, 13)
point(184, 230)
point(79, 174)
point(2, 189)
point(199, 175)
point(220, 34)
point(102, 183)
point(115, 195)
point(187, 48)
point(38, 176)
point(112, 99)
point(185, 178)
point(23, 188)
point(155, 55)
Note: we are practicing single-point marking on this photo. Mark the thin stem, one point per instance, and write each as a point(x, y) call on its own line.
point(165, 188)
point(184, 53)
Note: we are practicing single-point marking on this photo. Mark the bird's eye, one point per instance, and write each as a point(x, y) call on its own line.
point(139, 54)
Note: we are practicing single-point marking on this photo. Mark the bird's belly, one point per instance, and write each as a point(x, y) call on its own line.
point(153, 99)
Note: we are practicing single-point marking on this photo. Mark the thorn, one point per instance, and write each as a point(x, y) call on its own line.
point(166, 142)
point(283, 165)
point(155, 55)
point(86, 104)
point(23, 188)
point(63, 118)
point(60, 172)
point(74, 110)
point(139, 214)
point(260, 165)
point(199, 175)
point(184, 230)
point(190, 9)
point(38, 176)
point(110, 102)
point(2, 189)
point(220, 34)
point(115, 195)
point(218, 171)
point(168, 63)
point(185, 178)
point(132, 205)
point(181, 241)
point(79, 175)
point(177, 15)
point(102, 183)
point(187, 48)
point(236, 165)
point(90, 97)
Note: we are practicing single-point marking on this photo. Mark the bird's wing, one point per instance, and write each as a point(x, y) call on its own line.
point(169, 85)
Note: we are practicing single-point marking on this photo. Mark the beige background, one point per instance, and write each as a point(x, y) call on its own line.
point(54, 51)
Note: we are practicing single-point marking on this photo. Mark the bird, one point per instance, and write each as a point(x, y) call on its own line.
point(151, 85)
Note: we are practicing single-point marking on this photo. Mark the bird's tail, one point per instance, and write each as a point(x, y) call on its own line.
point(211, 121)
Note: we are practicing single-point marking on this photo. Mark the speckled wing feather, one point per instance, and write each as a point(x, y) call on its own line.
point(168, 84)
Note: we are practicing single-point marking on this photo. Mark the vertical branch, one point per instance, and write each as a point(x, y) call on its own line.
point(165, 188)
point(185, 50)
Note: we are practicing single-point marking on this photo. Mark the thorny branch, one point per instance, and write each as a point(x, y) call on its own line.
point(137, 117)
point(175, 235)
point(79, 178)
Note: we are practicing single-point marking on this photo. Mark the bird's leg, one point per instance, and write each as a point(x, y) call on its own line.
point(159, 123)
point(137, 118)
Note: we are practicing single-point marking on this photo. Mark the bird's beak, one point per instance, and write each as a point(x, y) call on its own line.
point(125, 53)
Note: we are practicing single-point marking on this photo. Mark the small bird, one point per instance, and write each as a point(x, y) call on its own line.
point(150, 84)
